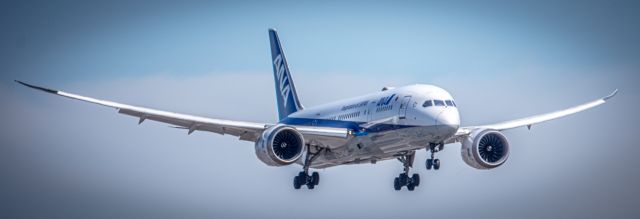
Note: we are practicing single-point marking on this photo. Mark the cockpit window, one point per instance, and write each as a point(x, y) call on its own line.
point(438, 102)
point(449, 102)
point(427, 103)
point(454, 103)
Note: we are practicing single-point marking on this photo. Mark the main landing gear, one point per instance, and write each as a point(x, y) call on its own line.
point(403, 179)
point(434, 162)
point(303, 178)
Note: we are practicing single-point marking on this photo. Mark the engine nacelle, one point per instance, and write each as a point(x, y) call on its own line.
point(280, 145)
point(485, 149)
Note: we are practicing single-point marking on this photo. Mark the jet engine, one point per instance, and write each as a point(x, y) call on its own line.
point(280, 145)
point(485, 149)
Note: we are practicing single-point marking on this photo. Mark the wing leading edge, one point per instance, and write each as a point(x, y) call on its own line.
point(529, 121)
point(248, 131)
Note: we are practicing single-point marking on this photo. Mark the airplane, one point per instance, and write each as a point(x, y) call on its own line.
point(392, 123)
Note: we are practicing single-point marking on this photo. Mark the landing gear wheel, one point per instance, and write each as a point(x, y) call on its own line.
point(302, 177)
point(436, 164)
point(411, 186)
point(310, 186)
point(429, 163)
point(396, 184)
point(315, 178)
point(296, 182)
point(415, 179)
point(404, 180)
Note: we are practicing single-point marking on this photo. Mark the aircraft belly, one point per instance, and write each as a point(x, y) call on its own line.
point(378, 147)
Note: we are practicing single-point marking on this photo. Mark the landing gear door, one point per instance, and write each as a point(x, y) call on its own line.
point(404, 105)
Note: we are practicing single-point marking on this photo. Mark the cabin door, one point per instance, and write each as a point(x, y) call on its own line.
point(404, 105)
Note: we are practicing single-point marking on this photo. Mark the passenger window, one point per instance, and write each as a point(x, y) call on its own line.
point(427, 103)
point(438, 102)
point(449, 102)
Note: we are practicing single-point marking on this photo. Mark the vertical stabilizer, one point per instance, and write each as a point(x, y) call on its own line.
point(286, 94)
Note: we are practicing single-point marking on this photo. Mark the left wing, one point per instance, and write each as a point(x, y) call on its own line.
point(529, 121)
point(248, 131)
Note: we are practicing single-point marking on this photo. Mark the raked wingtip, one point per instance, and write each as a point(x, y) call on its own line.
point(610, 95)
point(37, 87)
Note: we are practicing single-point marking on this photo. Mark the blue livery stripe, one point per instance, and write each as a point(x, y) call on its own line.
point(355, 126)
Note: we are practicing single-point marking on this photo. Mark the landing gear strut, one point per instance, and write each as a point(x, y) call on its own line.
point(303, 178)
point(434, 162)
point(403, 179)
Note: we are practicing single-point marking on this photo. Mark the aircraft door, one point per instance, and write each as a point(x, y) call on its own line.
point(404, 105)
point(371, 108)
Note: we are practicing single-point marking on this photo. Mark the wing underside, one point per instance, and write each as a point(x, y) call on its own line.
point(248, 131)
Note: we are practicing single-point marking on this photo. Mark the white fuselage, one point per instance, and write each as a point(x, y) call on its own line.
point(386, 124)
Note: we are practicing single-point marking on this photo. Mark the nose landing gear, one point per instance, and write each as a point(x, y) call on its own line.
point(403, 179)
point(434, 162)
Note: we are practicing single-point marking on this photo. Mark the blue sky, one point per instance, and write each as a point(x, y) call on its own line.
point(499, 59)
point(88, 40)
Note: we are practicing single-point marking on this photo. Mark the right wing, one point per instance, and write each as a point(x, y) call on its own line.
point(529, 121)
point(248, 131)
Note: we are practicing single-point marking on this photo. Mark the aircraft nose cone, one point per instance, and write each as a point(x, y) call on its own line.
point(448, 120)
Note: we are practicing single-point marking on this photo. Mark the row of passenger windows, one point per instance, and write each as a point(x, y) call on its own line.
point(349, 115)
point(429, 103)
